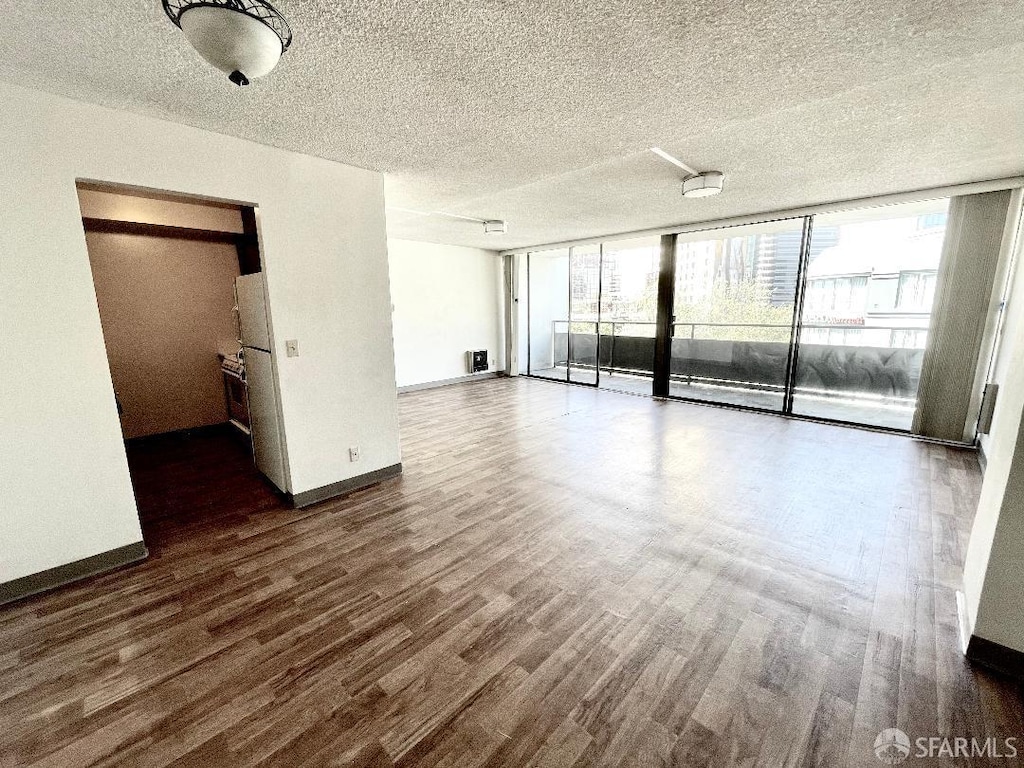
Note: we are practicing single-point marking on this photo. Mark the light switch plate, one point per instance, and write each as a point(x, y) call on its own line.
point(291, 347)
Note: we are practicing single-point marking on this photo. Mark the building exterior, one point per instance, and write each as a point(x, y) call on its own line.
point(880, 296)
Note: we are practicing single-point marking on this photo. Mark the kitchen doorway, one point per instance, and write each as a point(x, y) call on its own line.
point(199, 411)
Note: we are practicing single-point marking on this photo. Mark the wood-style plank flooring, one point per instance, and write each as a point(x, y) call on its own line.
point(562, 577)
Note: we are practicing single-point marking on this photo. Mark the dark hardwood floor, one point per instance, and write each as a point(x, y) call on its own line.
point(561, 577)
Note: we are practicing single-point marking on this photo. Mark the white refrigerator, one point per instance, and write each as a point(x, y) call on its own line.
point(254, 336)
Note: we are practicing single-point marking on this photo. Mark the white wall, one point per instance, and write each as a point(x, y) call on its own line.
point(994, 564)
point(447, 300)
point(1008, 287)
point(65, 493)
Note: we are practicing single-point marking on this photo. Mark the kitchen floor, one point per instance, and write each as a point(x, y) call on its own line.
point(195, 480)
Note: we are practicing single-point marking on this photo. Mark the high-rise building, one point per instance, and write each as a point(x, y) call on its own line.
point(779, 260)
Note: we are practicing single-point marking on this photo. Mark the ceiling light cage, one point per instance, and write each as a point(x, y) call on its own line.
point(256, 9)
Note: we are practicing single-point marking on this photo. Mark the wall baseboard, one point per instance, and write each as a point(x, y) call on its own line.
point(340, 488)
point(446, 382)
point(986, 653)
point(52, 578)
point(999, 658)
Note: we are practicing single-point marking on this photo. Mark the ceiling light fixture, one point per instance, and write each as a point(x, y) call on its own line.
point(695, 183)
point(703, 184)
point(243, 38)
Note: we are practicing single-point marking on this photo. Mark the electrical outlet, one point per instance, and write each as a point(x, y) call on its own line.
point(291, 347)
point(353, 453)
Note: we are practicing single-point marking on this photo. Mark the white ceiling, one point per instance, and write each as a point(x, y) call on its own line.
point(541, 112)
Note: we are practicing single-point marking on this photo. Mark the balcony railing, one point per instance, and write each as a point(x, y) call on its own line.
point(744, 355)
point(693, 326)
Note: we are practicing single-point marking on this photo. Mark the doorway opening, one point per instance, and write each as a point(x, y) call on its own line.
point(181, 298)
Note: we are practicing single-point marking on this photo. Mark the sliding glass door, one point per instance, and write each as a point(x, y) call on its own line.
point(584, 302)
point(735, 298)
point(629, 314)
point(547, 275)
point(867, 308)
point(564, 291)
point(824, 316)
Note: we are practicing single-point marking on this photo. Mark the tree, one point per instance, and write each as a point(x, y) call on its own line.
point(738, 311)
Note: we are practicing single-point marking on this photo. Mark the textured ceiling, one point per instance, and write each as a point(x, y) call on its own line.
point(541, 112)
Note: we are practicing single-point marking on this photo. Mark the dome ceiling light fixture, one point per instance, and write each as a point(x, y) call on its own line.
point(695, 183)
point(242, 38)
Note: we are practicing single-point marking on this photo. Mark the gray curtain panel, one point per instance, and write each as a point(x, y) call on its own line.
point(970, 256)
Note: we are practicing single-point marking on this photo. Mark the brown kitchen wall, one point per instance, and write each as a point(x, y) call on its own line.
point(166, 309)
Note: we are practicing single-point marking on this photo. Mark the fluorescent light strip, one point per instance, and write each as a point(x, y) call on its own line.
point(434, 213)
point(457, 216)
point(407, 210)
point(679, 163)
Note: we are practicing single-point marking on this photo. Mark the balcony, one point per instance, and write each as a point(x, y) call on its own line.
point(867, 381)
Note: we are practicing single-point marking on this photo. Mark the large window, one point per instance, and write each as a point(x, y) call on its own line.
point(594, 307)
point(865, 318)
point(629, 314)
point(824, 315)
point(735, 292)
point(584, 299)
point(547, 276)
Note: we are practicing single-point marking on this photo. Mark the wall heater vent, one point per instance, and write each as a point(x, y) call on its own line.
point(476, 360)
